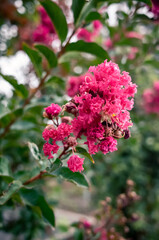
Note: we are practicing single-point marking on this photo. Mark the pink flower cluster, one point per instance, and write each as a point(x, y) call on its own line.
point(45, 31)
point(151, 99)
point(103, 107)
point(100, 112)
point(84, 34)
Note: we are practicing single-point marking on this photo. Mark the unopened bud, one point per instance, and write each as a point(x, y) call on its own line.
point(135, 217)
point(126, 134)
point(130, 182)
point(45, 115)
point(66, 119)
point(71, 108)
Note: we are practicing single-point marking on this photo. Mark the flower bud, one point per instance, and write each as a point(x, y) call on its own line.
point(66, 119)
point(71, 108)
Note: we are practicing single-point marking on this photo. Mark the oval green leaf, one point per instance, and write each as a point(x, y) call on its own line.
point(57, 17)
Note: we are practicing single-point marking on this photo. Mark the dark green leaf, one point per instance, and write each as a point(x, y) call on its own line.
point(88, 47)
point(48, 54)
point(34, 151)
point(84, 153)
point(77, 6)
point(13, 187)
point(57, 17)
point(19, 88)
point(75, 177)
point(35, 58)
point(32, 197)
point(93, 16)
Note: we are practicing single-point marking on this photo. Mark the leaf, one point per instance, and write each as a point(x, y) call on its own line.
point(55, 81)
point(48, 54)
point(34, 151)
point(20, 89)
point(75, 177)
point(56, 164)
point(77, 6)
point(83, 152)
point(93, 16)
point(57, 17)
point(4, 168)
point(85, 11)
point(32, 197)
point(88, 47)
point(13, 187)
point(129, 42)
point(35, 58)
point(9, 116)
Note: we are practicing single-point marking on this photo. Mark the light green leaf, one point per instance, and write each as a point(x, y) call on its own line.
point(83, 152)
point(4, 167)
point(88, 47)
point(48, 54)
point(33, 198)
point(34, 151)
point(57, 17)
point(75, 177)
point(55, 81)
point(20, 89)
point(13, 187)
point(35, 58)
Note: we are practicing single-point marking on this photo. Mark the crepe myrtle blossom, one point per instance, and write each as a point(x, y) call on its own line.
point(88, 36)
point(45, 31)
point(151, 99)
point(99, 112)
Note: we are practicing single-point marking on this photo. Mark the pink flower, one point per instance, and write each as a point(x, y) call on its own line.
point(64, 131)
point(75, 163)
point(53, 110)
point(108, 43)
point(45, 19)
point(41, 34)
point(151, 99)
point(84, 34)
point(134, 34)
point(97, 25)
point(73, 85)
point(49, 149)
point(108, 145)
point(155, 7)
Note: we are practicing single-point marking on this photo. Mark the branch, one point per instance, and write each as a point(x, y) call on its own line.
point(35, 178)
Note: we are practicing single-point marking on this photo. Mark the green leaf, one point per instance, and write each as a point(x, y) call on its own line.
point(75, 177)
point(56, 164)
point(20, 89)
point(10, 116)
point(34, 151)
point(134, 42)
point(83, 152)
point(57, 17)
point(93, 16)
point(88, 47)
point(85, 11)
point(55, 80)
point(48, 54)
point(4, 167)
point(13, 187)
point(32, 197)
point(35, 58)
point(77, 6)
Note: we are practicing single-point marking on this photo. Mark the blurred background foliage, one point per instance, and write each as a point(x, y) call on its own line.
point(21, 121)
